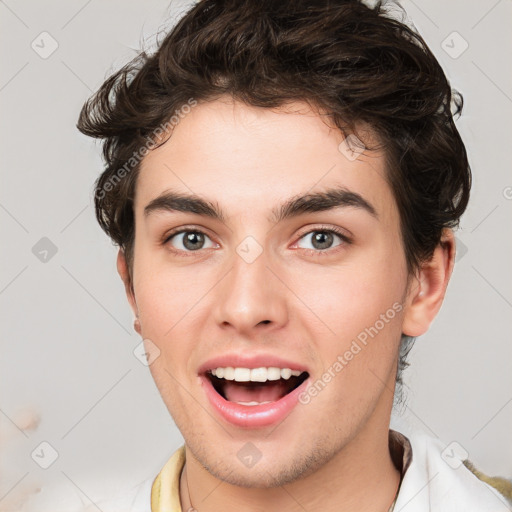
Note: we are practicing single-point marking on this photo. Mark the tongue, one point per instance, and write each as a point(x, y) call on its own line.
point(255, 392)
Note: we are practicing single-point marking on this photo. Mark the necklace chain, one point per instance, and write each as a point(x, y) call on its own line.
point(191, 509)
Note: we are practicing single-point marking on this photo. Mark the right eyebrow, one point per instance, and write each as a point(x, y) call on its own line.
point(173, 201)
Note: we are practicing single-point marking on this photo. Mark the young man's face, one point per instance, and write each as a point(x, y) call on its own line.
point(251, 286)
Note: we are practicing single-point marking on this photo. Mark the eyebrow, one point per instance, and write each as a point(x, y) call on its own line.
point(329, 199)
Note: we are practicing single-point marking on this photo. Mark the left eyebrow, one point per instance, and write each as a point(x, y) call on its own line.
point(329, 199)
point(298, 205)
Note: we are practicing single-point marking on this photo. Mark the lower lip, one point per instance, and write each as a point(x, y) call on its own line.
point(252, 416)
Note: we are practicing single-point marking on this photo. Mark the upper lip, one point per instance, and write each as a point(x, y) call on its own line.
point(238, 360)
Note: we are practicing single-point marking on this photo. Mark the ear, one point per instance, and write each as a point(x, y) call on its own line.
point(124, 273)
point(427, 289)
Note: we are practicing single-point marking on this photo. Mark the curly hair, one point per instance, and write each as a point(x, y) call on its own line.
point(356, 63)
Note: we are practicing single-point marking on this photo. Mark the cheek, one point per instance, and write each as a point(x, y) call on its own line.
point(165, 300)
point(171, 302)
point(165, 296)
point(352, 297)
point(360, 357)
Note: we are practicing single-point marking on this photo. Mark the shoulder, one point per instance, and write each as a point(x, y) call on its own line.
point(438, 480)
point(161, 492)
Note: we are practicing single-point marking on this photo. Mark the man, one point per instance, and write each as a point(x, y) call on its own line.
point(282, 179)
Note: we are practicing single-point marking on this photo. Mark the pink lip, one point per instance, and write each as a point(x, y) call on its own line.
point(252, 416)
point(252, 361)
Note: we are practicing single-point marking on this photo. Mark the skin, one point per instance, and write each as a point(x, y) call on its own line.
point(294, 301)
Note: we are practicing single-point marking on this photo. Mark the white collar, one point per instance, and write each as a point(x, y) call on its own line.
point(431, 484)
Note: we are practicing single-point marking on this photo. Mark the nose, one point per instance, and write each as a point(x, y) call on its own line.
point(251, 297)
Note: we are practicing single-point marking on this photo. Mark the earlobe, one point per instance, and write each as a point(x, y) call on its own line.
point(428, 288)
point(124, 273)
point(137, 326)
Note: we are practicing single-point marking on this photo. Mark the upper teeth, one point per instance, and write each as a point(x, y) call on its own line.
point(254, 374)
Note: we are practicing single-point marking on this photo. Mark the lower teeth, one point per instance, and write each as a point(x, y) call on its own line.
point(252, 403)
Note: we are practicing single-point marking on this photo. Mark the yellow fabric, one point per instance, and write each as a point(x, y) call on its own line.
point(166, 497)
point(502, 485)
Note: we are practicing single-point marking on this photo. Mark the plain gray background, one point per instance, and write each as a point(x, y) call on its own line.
point(69, 375)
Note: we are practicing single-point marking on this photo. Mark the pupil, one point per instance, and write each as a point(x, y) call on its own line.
point(322, 240)
point(193, 240)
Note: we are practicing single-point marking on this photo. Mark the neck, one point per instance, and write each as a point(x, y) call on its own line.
point(360, 477)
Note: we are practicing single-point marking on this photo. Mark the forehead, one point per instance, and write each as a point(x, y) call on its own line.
point(246, 158)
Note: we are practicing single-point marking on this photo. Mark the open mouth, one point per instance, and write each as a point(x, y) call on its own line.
point(255, 393)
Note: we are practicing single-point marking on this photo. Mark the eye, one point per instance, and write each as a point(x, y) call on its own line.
point(191, 240)
point(323, 239)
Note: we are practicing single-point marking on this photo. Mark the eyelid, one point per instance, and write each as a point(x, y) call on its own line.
point(342, 233)
point(176, 231)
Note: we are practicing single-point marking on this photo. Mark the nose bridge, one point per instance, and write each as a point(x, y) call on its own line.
point(250, 294)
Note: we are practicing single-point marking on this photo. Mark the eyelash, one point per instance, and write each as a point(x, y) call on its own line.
point(322, 229)
point(346, 240)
